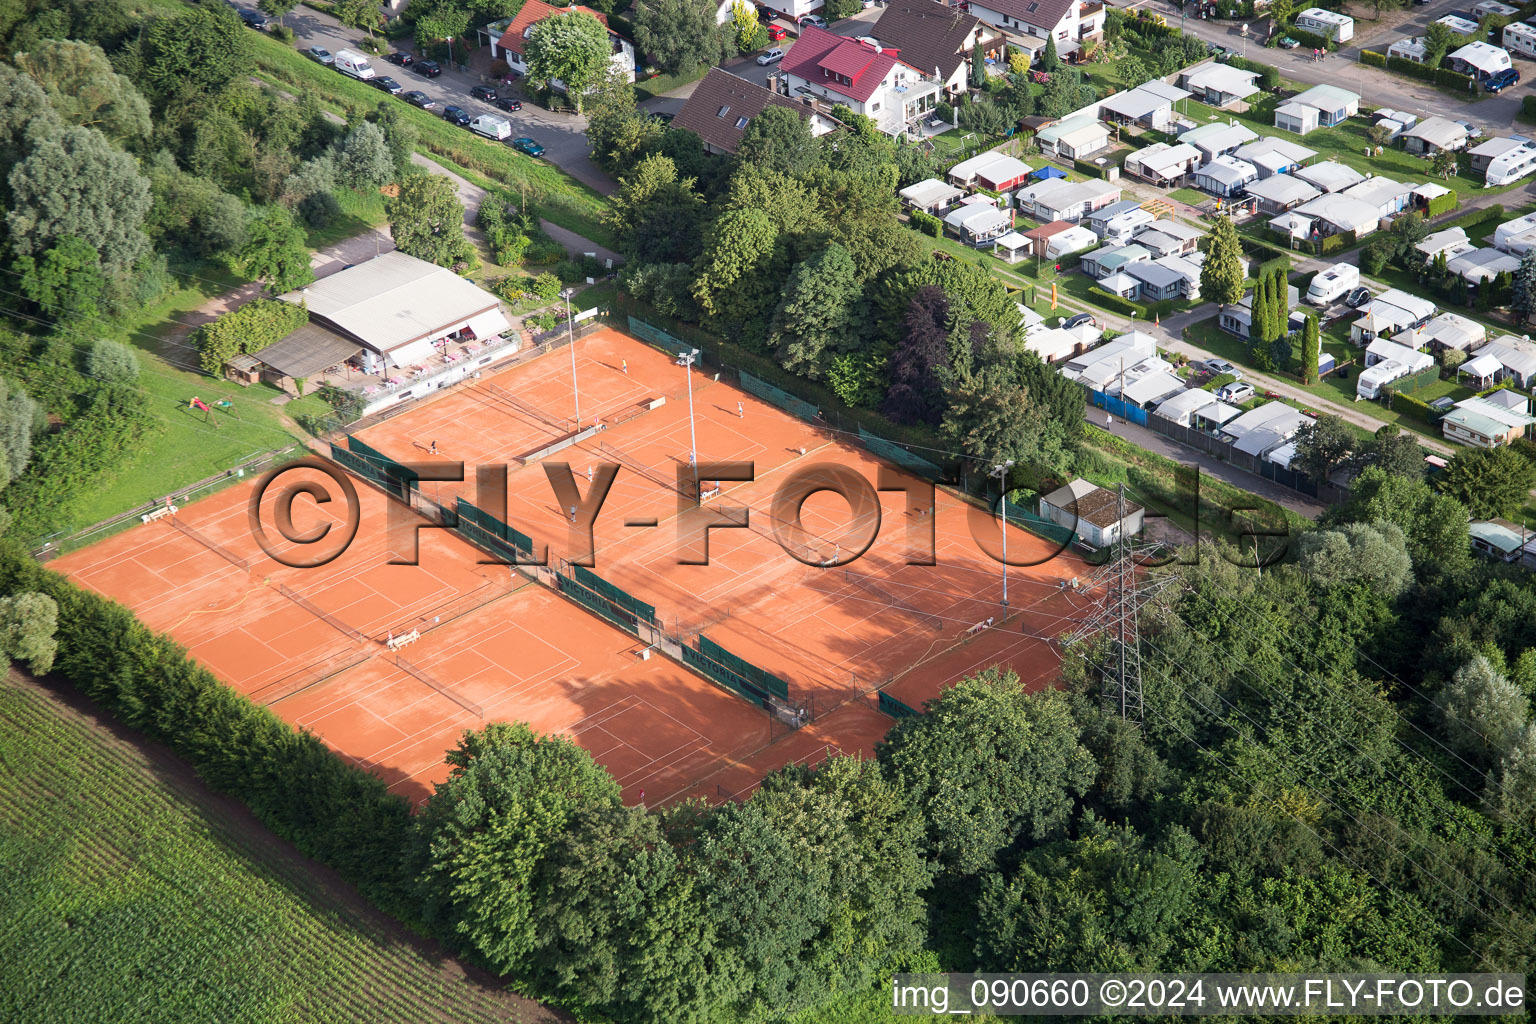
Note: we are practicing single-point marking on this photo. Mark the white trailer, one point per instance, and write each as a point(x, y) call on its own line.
point(350, 62)
point(1333, 284)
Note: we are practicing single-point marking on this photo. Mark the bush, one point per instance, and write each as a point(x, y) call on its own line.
point(1332, 243)
point(1373, 59)
point(1411, 406)
point(569, 272)
point(546, 286)
point(283, 33)
point(1116, 304)
point(1528, 108)
point(370, 44)
point(944, 112)
point(111, 362)
point(320, 210)
point(927, 223)
point(1310, 39)
point(1443, 204)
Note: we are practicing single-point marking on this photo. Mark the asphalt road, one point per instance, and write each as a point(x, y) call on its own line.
point(563, 136)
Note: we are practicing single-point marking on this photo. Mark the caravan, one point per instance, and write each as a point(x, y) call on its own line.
point(1333, 284)
point(1510, 167)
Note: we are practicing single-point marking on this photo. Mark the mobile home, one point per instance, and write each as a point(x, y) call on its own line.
point(1330, 24)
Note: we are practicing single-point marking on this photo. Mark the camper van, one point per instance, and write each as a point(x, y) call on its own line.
point(492, 127)
point(1333, 284)
point(350, 62)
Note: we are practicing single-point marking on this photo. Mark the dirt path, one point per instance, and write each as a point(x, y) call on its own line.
point(313, 880)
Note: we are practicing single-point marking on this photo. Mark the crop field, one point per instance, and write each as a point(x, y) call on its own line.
point(134, 895)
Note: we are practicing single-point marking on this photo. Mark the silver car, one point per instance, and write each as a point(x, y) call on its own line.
point(770, 56)
point(320, 55)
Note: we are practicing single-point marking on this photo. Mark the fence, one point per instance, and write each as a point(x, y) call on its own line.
point(779, 397)
point(478, 519)
point(660, 338)
point(593, 601)
point(765, 681)
point(893, 452)
point(595, 583)
point(1117, 405)
point(1020, 516)
point(373, 464)
point(212, 545)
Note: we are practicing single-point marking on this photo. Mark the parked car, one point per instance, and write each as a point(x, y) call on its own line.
point(430, 68)
point(812, 19)
point(770, 56)
point(320, 55)
point(527, 145)
point(777, 33)
point(252, 19)
point(1357, 298)
point(1221, 366)
point(483, 92)
point(403, 60)
point(388, 84)
point(1289, 43)
point(1235, 392)
point(1502, 80)
point(417, 98)
point(1078, 319)
point(507, 103)
point(456, 115)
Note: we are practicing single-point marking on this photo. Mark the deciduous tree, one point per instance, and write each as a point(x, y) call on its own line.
point(679, 35)
point(1481, 711)
point(364, 160)
point(275, 252)
point(1394, 451)
point(778, 139)
point(84, 89)
point(197, 52)
point(571, 49)
point(813, 320)
point(1373, 554)
point(1323, 445)
point(66, 281)
point(28, 622)
point(916, 392)
point(363, 14)
point(1490, 482)
point(426, 220)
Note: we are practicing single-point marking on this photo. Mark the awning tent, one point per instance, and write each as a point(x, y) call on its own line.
point(412, 353)
point(1047, 172)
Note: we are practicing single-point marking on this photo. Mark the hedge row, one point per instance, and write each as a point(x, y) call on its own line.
point(1472, 218)
point(338, 814)
point(1116, 304)
point(1269, 75)
point(1444, 204)
point(1091, 169)
point(1439, 76)
point(1528, 108)
point(927, 223)
point(1311, 39)
point(1372, 58)
point(1408, 405)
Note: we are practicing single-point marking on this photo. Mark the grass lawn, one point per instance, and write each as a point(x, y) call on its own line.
point(359, 212)
point(134, 894)
point(561, 198)
point(650, 88)
point(1188, 195)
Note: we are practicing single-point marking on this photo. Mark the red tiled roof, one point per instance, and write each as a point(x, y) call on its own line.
point(533, 12)
point(818, 55)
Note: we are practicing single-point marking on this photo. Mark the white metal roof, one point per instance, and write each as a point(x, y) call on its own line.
point(1400, 305)
point(1181, 406)
point(1342, 212)
point(1258, 430)
point(1378, 191)
point(1229, 170)
point(1161, 157)
point(1438, 131)
point(1154, 387)
point(1283, 188)
point(1495, 147)
point(1482, 264)
point(1012, 240)
point(931, 192)
point(1293, 224)
point(394, 299)
point(1513, 354)
point(1225, 79)
point(1330, 176)
point(1295, 152)
point(1326, 97)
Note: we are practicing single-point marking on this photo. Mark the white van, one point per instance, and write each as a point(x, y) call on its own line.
point(1333, 284)
point(350, 62)
point(492, 127)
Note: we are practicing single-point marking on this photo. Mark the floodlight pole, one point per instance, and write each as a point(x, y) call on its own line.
point(570, 335)
point(686, 361)
point(1001, 472)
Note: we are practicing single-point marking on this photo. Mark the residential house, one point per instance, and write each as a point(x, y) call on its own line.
point(1029, 23)
point(1226, 176)
point(930, 195)
point(1321, 106)
point(1329, 24)
point(1263, 429)
point(1272, 155)
point(1478, 265)
point(1162, 164)
point(1338, 214)
point(1076, 138)
point(1484, 424)
point(1446, 331)
point(1388, 197)
point(867, 79)
point(1411, 48)
point(1390, 313)
point(512, 44)
point(722, 105)
point(1217, 139)
point(1484, 153)
point(1329, 176)
point(1149, 105)
point(1157, 282)
point(1098, 517)
point(977, 224)
point(990, 170)
point(1480, 59)
point(1280, 192)
point(1103, 262)
point(1517, 359)
point(793, 10)
point(934, 38)
point(1219, 85)
point(1238, 319)
point(1516, 236)
point(1451, 242)
point(1434, 134)
point(1098, 367)
point(1169, 238)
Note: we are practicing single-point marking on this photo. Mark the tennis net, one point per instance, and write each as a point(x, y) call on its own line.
point(318, 612)
point(504, 396)
point(212, 545)
point(862, 580)
point(461, 701)
point(655, 476)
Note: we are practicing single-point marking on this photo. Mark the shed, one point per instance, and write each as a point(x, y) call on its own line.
point(930, 195)
point(307, 352)
point(1497, 538)
point(1098, 516)
point(243, 369)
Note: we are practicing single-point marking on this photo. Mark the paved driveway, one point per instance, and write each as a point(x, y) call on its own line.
point(562, 135)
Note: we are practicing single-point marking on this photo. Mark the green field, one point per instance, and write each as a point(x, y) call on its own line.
point(134, 895)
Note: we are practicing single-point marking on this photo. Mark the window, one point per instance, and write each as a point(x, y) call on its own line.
point(874, 107)
point(724, 110)
point(741, 122)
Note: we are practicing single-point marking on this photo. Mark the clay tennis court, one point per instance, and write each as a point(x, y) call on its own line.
point(831, 633)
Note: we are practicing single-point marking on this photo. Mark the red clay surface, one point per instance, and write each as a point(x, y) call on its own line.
point(310, 643)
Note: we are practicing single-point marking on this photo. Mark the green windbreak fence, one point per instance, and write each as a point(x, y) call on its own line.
point(893, 452)
point(656, 336)
point(725, 677)
point(766, 682)
point(779, 397)
point(893, 707)
point(1022, 517)
point(495, 527)
point(397, 478)
point(595, 583)
point(362, 467)
point(488, 541)
point(599, 604)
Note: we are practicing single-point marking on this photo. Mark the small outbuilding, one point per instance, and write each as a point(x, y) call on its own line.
point(1098, 516)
